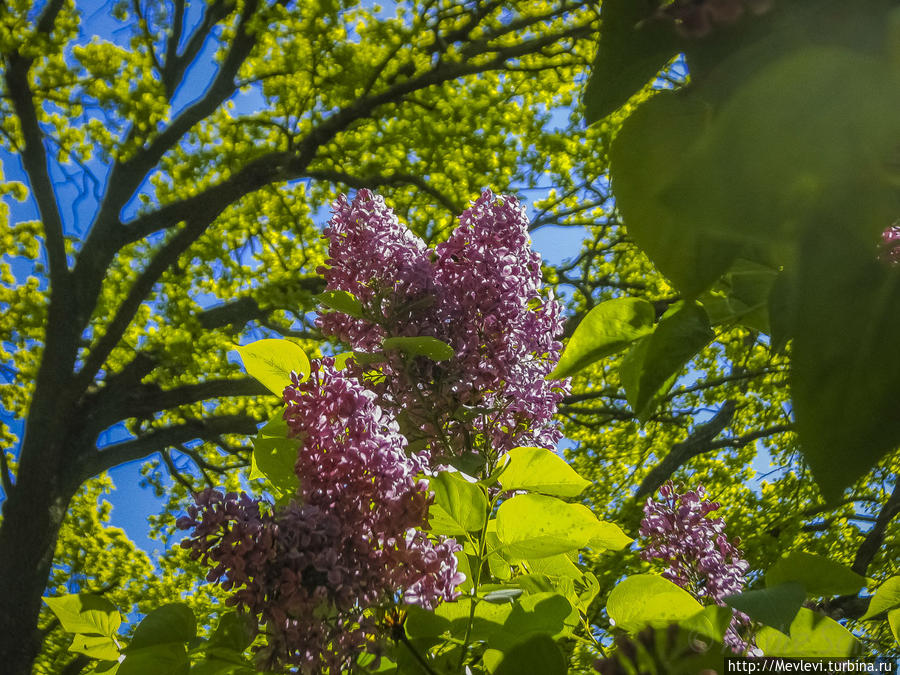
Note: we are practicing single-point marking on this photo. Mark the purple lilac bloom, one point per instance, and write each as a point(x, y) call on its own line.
point(890, 244)
point(350, 541)
point(480, 292)
point(698, 555)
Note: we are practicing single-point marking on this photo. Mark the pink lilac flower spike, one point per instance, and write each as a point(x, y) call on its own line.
point(378, 260)
point(504, 332)
point(698, 555)
point(351, 541)
point(480, 292)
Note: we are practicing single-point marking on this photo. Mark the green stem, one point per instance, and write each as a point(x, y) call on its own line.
point(475, 582)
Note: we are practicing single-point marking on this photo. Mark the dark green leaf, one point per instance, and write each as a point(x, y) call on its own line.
point(845, 375)
point(630, 54)
point(173, 623)
point(651, 365)
point(341, 301)
point(235, 631)
point(538, 654)
point(424, 623)
point(86, 614)
point(775, 607)
point(606, 329)
point(819, 576)
point(541, 470)
point(169, 658)
point(711, 623)
point(647, 154)
point(785, 168)
point(428, 347)
point(811, 635)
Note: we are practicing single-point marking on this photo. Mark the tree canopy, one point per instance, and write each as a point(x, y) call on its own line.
point(173, 175)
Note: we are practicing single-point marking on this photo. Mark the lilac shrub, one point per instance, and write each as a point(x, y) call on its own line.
point(480, 292)
point(353, 537)
point(698, 555)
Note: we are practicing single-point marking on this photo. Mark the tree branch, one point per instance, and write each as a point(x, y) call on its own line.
point(34, 155)
point(158, 440)
point(6, 475)
point(875, 538)
point(696, 443)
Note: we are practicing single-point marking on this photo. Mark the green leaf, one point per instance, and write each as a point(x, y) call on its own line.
point(606, 329)
point(537, 526)
point(487, 620)
point(172, 623)
point(811, 635)
point(272, 361)
point(341, 301)
point(275, 458)
point(894, 622)
point(95, 646)
point(649, 369)
point(886, 597)
point(644, 600)
point(234, 631)
point(541, 470)
point(169, 658)
point(214, 666)
point(104, 668)
point(549, 613)
point(424, 623)
point(461, 506)
point(85, 613)
point(712, 622)
point(776, 606)
point(819, 576)
point(538, 654)
point(429, 347)
point(845, 366)
point(646, 155)
point(786, 168)
point(631, 53)
point(503, 595)
point(606, 536)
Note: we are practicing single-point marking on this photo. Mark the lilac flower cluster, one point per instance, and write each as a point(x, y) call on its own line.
point(480, 292)
point(352, 537)
point(890, 244)
point(350, 541)
point(697, 553)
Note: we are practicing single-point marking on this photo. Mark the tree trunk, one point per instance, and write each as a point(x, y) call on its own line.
point(31, 520)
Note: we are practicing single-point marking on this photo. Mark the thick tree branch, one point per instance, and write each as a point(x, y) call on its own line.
point(158, 440)
point(696, 443)
point(143, 401)
point(34, 160)
point(875, 538)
